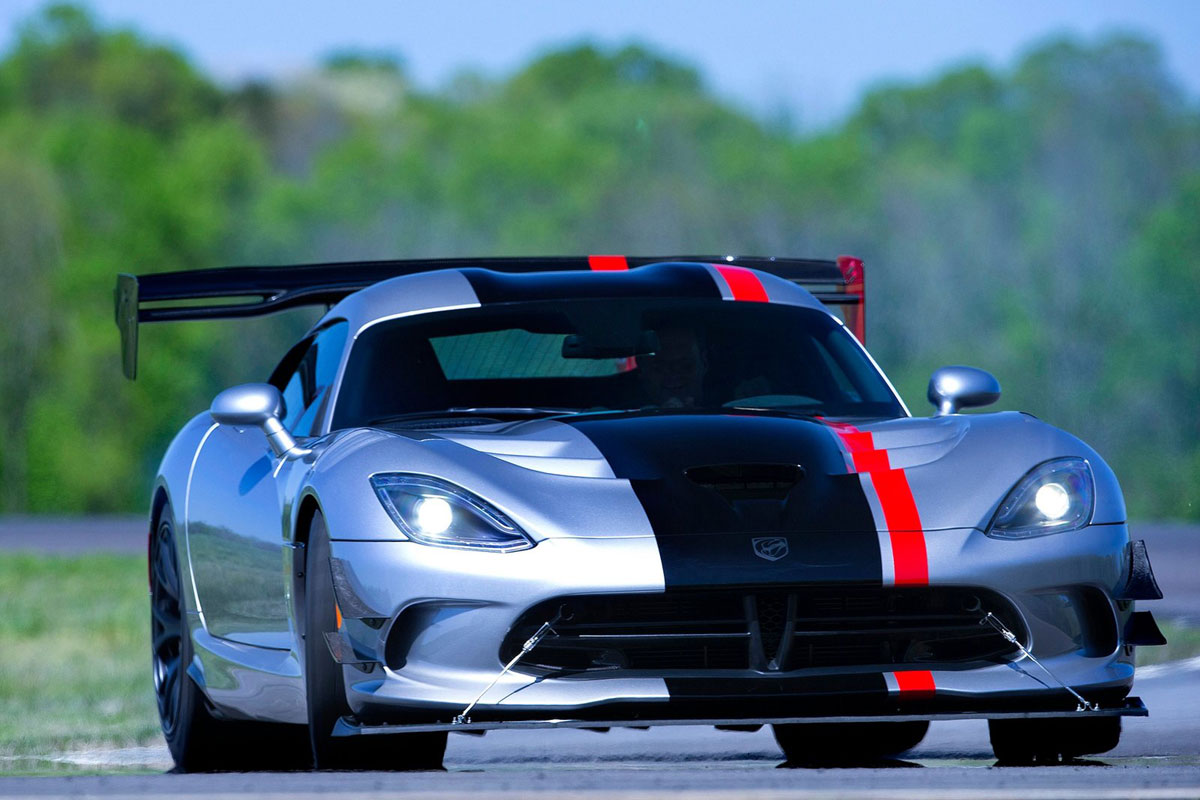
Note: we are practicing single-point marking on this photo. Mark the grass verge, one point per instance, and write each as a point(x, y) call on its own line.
point(1182, 642)
point(74, 653)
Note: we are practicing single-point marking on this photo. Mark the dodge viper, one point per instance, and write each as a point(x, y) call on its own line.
point(612, 491)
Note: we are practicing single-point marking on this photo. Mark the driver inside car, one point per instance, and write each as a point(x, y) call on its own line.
point(673, 376)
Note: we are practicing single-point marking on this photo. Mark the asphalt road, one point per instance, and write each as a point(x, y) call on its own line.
point(65, 535)
point(628, 783)
point(1158, 756)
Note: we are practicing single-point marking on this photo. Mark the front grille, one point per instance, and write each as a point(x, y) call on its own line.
point(769, 630)
point(771, 613)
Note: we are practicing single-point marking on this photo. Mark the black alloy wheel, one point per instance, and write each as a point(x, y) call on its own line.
point(166, 625)
point(326, 684)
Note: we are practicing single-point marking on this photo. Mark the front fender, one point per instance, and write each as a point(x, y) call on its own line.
point(545, 505)
point(965, 485)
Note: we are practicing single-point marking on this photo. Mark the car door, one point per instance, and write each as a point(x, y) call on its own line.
point(236, 500)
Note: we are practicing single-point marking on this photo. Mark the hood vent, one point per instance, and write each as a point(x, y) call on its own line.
point(445, 423)
point(747, 481)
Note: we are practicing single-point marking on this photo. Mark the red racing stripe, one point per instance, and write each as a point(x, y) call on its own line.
point(910, 561)
point(607, 263)
point(871, 460)
point(743, 283)
point(915, 684)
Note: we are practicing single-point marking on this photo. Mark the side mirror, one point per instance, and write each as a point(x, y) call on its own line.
point(257, 405)
point(952, 388)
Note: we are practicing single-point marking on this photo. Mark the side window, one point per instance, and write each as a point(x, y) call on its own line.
point(306, 375)
point(293, 401)
point(317, 371)
point(286, 378)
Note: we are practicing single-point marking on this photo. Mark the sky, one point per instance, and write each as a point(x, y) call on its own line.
point(811, 60)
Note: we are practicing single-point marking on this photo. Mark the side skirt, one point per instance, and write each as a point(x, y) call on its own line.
point(247, 682)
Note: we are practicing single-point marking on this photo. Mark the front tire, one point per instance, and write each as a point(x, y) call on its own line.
point(326, 684)
point(820, 743)
point(198, 740)
point(1048, 741)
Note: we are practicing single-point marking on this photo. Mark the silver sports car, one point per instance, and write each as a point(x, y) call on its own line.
point(608, 491)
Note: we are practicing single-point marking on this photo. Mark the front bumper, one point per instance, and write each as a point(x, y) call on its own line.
point(425, 627)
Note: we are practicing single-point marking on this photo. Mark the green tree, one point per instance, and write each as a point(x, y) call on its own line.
point(1024, 219)
point(1153, 376)
point(147, 176)
point(30, 252)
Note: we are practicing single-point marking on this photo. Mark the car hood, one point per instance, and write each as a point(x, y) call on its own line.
point(679, 474)
point(698, 472)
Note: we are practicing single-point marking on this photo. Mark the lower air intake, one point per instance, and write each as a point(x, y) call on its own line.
point(776, 629)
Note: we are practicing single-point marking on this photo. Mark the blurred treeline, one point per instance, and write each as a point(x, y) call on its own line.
point(1041, 221)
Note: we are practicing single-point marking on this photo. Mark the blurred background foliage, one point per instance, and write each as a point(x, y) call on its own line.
point(1041, 221)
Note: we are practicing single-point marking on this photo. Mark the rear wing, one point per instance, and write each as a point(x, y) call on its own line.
point(233, 292)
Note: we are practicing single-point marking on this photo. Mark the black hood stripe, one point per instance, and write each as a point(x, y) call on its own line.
point(821, 531)
point(703, 540)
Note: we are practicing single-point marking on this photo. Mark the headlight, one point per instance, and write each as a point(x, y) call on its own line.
point(435, 512)
point(1054, 497)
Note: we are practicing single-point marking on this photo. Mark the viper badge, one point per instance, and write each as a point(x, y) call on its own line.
point(772, 548)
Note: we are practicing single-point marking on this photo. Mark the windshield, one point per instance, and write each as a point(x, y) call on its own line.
point(603, 355)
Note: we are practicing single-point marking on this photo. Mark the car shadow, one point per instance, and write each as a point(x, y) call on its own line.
point(1066, 762)
point(851, 763)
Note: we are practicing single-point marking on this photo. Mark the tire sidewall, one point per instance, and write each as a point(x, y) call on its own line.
point(324, 681)
point(848, 743)
point(186, 739)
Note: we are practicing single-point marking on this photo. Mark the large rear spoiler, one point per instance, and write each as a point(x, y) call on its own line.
point(233, 292)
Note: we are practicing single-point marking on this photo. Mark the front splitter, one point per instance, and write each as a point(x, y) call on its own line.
point(1131, 707)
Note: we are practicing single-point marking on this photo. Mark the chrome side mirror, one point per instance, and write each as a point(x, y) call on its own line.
point(257, 405)
point(952, 388)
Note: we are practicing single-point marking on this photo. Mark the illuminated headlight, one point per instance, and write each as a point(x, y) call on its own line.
point(438, 513)
point(1055, 497)
point(433, 515)
point(1053, 500)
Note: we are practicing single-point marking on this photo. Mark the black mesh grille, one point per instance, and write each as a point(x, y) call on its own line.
point(768, 630)
point(772, 612)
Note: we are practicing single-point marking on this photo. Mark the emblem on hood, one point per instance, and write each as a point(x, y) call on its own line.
point(772, 548)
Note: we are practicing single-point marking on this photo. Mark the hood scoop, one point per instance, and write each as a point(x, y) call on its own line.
point(445, 423)
point(736, 482)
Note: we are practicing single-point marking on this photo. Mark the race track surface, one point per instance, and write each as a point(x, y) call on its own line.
point(1157, 758)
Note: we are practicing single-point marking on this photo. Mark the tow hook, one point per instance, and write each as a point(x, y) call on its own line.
point(990, 619)
point(547, 629)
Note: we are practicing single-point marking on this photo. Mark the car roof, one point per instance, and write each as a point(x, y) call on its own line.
point(463, 288)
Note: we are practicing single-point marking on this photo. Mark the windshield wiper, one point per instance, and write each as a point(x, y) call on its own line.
point(479, 411)
point(524, 411)
point(781, 410)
